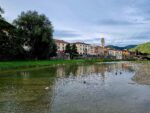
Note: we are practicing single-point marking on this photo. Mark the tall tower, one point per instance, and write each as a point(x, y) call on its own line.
point(103, 42)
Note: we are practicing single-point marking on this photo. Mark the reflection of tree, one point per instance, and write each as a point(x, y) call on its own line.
point(142, 75)
point(71, 70)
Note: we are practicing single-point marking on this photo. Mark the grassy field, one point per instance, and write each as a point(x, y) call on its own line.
point(30, 64)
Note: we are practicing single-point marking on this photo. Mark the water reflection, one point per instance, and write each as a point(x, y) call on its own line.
point(142, 75)
point(98, 88)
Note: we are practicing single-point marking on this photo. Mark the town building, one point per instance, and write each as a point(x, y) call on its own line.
point(126, 54)
point(116, 54)
point(99, 51)
point(87, 50)
point(92, 50)
point(83, 48)
point(61, 45)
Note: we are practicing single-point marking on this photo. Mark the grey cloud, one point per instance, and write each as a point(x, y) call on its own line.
point(141, 36)
point(118, 22)
point(65, 33)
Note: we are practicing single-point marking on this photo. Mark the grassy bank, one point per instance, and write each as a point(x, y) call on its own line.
point(30, 64)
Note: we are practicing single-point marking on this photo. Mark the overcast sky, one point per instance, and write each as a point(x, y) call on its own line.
point(120, 22)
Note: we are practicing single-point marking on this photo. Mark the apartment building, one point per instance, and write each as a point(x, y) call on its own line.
point(115, 53)
point(61, 45)
point(92, 50)
point(99, 51)
point(83, 48)
point(126, 54)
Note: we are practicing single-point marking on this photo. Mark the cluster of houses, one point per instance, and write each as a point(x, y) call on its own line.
point(88, 50)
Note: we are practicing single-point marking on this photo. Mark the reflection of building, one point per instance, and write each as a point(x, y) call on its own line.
point(60, 72)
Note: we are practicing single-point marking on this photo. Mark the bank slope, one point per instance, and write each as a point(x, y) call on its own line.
point(143, 48)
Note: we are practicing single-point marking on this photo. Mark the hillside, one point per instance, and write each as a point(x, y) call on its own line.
point(121, 48)
point(143, 48)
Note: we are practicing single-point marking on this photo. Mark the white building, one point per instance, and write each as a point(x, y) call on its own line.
point(115, 53)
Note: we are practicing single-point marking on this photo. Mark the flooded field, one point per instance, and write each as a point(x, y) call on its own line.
point(121, 87)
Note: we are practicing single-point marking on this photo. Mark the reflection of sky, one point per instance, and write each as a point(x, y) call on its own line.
point(121, 22)
point(91, 93)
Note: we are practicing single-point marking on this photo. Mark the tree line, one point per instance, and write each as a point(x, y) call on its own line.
point(30, 36)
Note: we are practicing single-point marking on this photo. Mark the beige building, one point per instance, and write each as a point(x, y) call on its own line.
point(115, 53)
point(99, 51)
point(87, 49)
point(83, 48)
point(61, 45)
point(92, 50)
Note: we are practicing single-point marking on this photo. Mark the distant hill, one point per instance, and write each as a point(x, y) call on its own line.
point(143, 48)
point(121, 48)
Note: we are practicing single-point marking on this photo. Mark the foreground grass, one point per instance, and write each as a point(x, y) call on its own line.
point(27, 64)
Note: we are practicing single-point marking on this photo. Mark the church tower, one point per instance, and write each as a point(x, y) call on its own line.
point(103, 42)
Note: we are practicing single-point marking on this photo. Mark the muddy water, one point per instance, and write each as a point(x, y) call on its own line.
point(96, 88)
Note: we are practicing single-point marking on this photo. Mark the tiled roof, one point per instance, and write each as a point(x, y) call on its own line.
point(60, 41)
point(81, 43)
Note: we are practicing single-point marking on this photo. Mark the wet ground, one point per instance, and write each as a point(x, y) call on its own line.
point(98, 88)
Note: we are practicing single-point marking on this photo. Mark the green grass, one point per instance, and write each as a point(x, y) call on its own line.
point(31, 64)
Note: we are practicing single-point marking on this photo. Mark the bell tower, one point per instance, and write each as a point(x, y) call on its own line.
point(103, 42)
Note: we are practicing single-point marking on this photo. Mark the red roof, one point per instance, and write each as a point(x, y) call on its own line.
point(60, 41)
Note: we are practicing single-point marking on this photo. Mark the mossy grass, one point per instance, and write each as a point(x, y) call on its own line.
point(32, 63)
point(28, 64)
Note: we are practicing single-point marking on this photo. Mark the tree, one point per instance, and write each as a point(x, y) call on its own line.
point(71, 50)
point(10, 43)
point(37, 33)
point(74, 51)
point(54, 50)
point(68, 49)
point(1, 12)
point(137, 52)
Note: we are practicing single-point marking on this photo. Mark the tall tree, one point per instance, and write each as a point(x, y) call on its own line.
point(71, 50)
point(10, 42)
point(68, 49)
point(74, 50)
point(37, 33)
point(54, 50)
point(1, 12)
